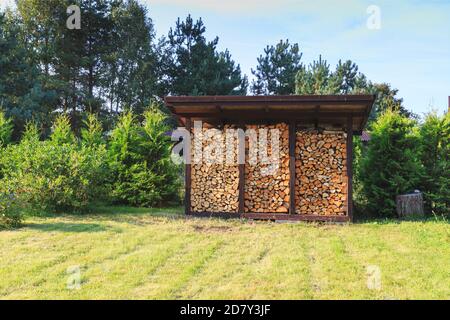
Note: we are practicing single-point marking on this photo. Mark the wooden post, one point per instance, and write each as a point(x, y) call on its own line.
point(187, 177)
point(292, 141)
point(241, 161)
point(350, 167)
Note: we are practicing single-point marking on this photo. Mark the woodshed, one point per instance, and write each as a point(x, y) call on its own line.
point(313, 177)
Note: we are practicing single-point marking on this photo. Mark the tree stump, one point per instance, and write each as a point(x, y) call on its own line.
point(409, 204)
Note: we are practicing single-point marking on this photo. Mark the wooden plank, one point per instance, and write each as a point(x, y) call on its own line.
point(292, 140)
point(271, 114)
point(208, 214)
point(350, 167)
point(241, 155)
point(258, 100)
point(271, 216)
point(294, 217)
point(332, 108)
point(187, 176)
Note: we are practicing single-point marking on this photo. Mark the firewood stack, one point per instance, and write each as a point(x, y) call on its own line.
point(215, 187)
point(268, 193)
point(321, 173)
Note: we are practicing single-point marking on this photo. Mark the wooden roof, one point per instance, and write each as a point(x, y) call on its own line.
point(318, 110)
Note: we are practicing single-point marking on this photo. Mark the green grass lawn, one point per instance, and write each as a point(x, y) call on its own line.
point(159, 254)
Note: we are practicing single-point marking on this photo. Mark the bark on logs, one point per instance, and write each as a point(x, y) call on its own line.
point(321, 173)
point(266, 188)
point(320, 167)
point(215, 187)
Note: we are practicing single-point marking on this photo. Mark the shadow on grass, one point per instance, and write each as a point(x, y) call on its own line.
point(67, 227)
point(111, 210)
point(126, 210)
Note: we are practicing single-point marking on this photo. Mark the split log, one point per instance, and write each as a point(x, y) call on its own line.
point(215, 186)
point(267, 186)
point(321, 173)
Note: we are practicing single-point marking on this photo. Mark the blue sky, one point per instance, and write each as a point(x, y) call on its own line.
point(411, 50)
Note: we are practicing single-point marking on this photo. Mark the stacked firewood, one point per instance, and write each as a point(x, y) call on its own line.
point(267, 184)
point(214, 186)
point(321, 173)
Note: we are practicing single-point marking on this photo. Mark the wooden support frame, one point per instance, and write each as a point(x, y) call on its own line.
point(271, 216)
point(292, 141)
point(350, 167)
point(347, 112)
point(241, 155)
point(187, 176)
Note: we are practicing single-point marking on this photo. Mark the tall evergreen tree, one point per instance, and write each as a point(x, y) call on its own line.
point(111, 63)
point(276, 69)
point(23, 94)
point(318, 78)
point(132, 65)
point(197, 67)
point(70, 59)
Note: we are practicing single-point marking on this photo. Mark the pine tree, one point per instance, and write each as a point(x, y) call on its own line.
point(108, 65)
point(276, 69)
point(318, 78)
point(197, 67)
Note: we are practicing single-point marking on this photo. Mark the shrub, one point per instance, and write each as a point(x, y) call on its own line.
point(92, 132)
point(6, 129)
point(11, 209)
point(391, 165)
point(54, 175)
point(61, 131)
point(140, 159)
point(359, 199)
point(435, 144)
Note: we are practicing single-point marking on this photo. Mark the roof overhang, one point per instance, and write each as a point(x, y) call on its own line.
point(318, 110)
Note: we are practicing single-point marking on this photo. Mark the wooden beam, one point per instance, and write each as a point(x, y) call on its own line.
point(292, 140)
point(241, 155)
point(316, 116)
point(350, 167)
point(294, 217)
point(269, 99)
point(271, 216)
point(273, 114)
point(187, 176)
